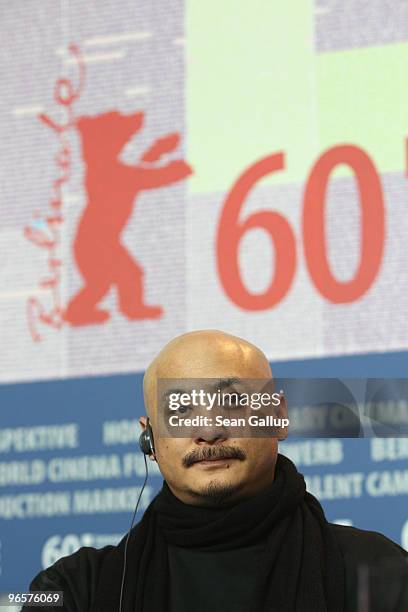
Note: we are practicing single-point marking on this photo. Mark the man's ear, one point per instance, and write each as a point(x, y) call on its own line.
point(143, 422)
point(282, 412)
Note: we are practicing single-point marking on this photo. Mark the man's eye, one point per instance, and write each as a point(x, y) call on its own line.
point(179, 410)
point(233, 402)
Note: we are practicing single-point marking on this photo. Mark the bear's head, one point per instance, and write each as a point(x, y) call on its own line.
point(104, 136)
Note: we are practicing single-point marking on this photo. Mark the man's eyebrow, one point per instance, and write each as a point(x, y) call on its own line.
point(227, 382)
point(169, 392)
point(220, 383)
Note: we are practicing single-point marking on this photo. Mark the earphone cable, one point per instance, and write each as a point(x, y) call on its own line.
point(128, 536)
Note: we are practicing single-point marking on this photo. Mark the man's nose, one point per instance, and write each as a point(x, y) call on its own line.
point(210, 434)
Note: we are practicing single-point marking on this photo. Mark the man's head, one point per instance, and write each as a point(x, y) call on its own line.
point(249, 463)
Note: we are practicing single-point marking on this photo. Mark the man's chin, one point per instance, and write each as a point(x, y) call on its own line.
point(216, 492)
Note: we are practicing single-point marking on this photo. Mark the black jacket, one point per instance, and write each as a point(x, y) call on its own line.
point(77, 575)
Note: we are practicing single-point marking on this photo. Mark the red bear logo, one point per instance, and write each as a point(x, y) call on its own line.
point(112, 188)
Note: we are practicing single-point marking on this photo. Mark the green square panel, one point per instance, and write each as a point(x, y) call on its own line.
point(363, 100)
point(250, 88)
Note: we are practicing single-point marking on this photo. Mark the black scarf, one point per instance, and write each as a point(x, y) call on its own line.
point(302, 569)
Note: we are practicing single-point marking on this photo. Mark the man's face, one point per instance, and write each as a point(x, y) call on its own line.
point(249, 463)
point(211, 467)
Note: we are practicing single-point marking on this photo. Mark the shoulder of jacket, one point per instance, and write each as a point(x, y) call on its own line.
point(364, 545)
point(77, 576)
point(84, 563)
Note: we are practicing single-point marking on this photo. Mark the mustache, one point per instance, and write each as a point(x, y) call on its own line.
point(210, 453)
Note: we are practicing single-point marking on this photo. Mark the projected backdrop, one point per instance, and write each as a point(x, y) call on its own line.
point(177, 166)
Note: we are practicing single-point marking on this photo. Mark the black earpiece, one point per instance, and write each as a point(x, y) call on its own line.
point(146, 441)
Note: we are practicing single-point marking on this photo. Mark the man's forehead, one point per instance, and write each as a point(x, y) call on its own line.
point(206, 354)
point(192, 355)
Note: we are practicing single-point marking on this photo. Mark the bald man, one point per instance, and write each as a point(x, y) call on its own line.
point(233, 527)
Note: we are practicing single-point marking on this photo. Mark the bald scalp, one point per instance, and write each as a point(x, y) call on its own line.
point(203, 354)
